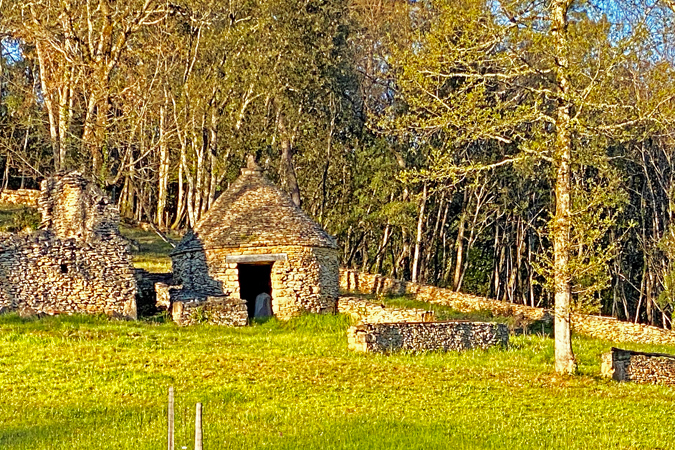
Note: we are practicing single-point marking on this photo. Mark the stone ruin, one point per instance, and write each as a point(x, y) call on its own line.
point(76, 263)
point(253, 240)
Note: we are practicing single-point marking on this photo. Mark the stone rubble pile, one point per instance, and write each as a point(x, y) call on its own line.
point(426, 336)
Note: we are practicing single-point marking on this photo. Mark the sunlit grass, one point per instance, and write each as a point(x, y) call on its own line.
point(152, 253)
point(89, 383)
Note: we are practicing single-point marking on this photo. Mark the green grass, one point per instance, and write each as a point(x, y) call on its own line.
point(152, 253)
point(15, 218)
point(91, 383)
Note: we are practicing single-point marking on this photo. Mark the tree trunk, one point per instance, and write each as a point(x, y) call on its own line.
point(459, 244)
point(289, 181)
point(418, 239)
point(163, 170)
point(564, 357)
point(47, 92)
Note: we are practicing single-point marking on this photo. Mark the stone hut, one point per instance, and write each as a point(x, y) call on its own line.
point(254, 239)
point(76, 263)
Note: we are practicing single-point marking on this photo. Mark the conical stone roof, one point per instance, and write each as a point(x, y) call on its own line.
point(254, 212)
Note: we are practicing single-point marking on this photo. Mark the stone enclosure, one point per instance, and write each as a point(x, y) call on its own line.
point(254, 240)
point(600, 327)
point(76, 263)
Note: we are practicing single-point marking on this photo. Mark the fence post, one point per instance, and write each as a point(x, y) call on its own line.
point(198, 427)
point(170, 420)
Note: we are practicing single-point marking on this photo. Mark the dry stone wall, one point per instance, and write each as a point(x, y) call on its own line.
point(73, 207)
point(212, 310)
point(365, 311)
point(599, 327)
point(28, 197)
point(644, 368)
point(354, 281)
point(78, 262)
point(41, 273)
point(430, 336)
point(303, 278)
point(614, 330)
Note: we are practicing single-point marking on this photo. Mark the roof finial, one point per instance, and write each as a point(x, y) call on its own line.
point(252, 167)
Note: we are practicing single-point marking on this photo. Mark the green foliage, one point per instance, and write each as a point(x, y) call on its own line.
point(91, 383)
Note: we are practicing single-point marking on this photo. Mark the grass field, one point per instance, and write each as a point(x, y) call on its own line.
point(94, 383)
point(91, 383)
point(151, 252)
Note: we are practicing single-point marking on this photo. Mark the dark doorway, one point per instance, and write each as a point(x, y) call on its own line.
point(254, 279)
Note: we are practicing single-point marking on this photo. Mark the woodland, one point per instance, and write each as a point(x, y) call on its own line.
point(517, 149)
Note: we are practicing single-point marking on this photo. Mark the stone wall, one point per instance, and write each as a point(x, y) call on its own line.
point(365, 311)
point(644, 368)
point(599, 327)
point(146, 294)
point(28, 197)
point(212, 310)
point(78, 262)
point(303, 278)
point(73, 207)
point(430, 336)
point(354, 281)
point(41, 273)
point(614, 330)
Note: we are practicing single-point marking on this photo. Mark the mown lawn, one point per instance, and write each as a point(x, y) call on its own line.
point(92, 383)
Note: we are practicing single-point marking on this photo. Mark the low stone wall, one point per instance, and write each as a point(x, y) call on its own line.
point(430, 336)
point(28, 197)
point(365, 311)
point(600, 327)
point(644, 368)
point(354, 281)
point(212, 310)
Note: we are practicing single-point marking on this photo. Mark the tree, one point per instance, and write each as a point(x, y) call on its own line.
point(489, 85)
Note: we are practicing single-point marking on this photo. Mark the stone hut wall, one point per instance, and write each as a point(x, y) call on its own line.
point(365, 311)
point(28, 197)
point(41, 273)
point(431, 336)
point(600, 327)
point(303, 278)
point(644, 368)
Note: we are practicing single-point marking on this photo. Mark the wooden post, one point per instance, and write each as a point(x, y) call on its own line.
point(170, 421)
point(198, 427)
